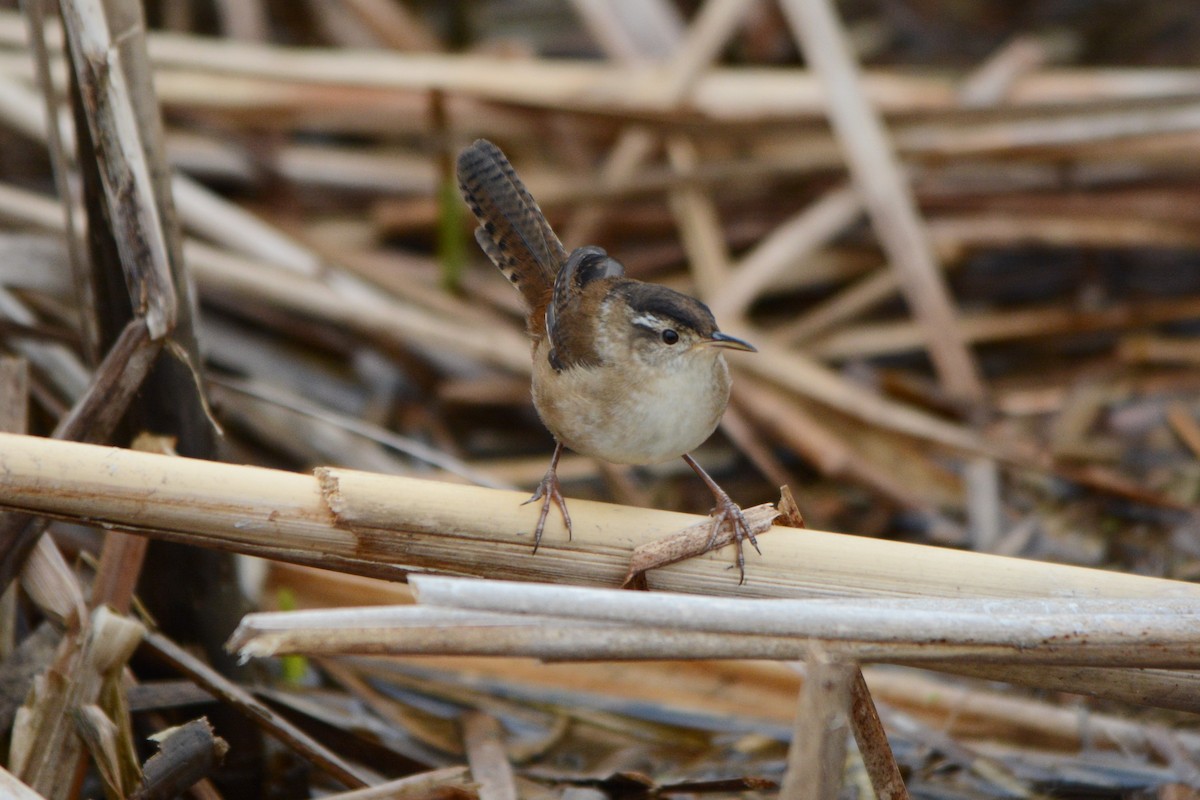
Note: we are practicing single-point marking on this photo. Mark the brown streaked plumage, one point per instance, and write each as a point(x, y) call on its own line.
point(626, 371)
point(579, 289)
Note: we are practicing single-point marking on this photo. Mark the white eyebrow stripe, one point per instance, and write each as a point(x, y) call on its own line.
point(648, 321)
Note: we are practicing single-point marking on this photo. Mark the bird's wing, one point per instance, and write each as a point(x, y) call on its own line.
point(571, 317)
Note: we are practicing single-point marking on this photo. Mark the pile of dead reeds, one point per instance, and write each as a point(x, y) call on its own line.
point(974, 293)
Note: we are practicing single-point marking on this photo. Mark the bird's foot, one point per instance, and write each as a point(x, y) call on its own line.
point(549, 491)
point(726, 511)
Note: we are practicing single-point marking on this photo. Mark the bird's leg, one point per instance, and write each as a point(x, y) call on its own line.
point(549, 491)
point(726, 509)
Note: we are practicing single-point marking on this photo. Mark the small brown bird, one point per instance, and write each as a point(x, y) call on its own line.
point(626, 371)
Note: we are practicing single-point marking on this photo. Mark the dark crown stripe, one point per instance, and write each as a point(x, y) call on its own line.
point(668, 304)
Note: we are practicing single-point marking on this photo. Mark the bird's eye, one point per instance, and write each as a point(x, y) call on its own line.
point(669, 336)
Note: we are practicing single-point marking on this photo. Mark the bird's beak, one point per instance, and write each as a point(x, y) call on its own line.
point(719, 339)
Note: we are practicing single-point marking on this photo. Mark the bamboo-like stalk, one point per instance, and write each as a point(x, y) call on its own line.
point(385, 525)
point(496, 617)
point(413, 630)
point(1022, 623)
point(286, 515)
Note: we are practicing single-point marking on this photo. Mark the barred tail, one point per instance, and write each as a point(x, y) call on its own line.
point(512, 230)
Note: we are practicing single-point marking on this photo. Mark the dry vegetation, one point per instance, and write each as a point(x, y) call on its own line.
point(963, 236)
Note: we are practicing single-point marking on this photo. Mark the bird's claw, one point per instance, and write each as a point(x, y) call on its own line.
point(727, 510)
point(548, 491)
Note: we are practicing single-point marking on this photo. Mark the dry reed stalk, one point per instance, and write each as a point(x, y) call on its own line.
point(14, 415)
point(786, 247)
point(744, 93)
point(111, 750)
point(14, 394)
point(16, 789)
point(961, 232)
point(630, 32)
point(872, 741)
point(310, 587)
point(483, 740)
point(690, 55)
point(851, 301)
point(698, 223)
point(886, 195)
point(122, 557)
point(985, 86)
point(320, 166)
point(51, 583)
point(792, 425)
point(448, 783)
point(419, 450)
point(199, 207)
point(602, 623)
point(696, 540)
point(1150, 687)
point(370, 313)
point(865, 340)
point(63, 369)
point(816, 757)
point(426, 728)
point(394, 25)
point(528, 470)
point(1183, 423)
point(121, 154)
point(186, 754)
point(45, 751)
point(258, 713)
point(219, 220)
point(344, 303)
point(95, 414)
point(720, 689)
point(765, 692)
point(1020, 622)
point(224, 222)
point(1003, 716)
point(801, 374)
point(746, 439)
point(51, 127)
point(1152, 349)
point(722, 93)
point(993, 80)
point(373, 524)
point(1054, 130)
point(413, 631)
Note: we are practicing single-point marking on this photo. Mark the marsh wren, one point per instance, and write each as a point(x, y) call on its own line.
point(626, 371)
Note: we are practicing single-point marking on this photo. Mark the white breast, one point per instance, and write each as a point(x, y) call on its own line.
point(647, 417)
